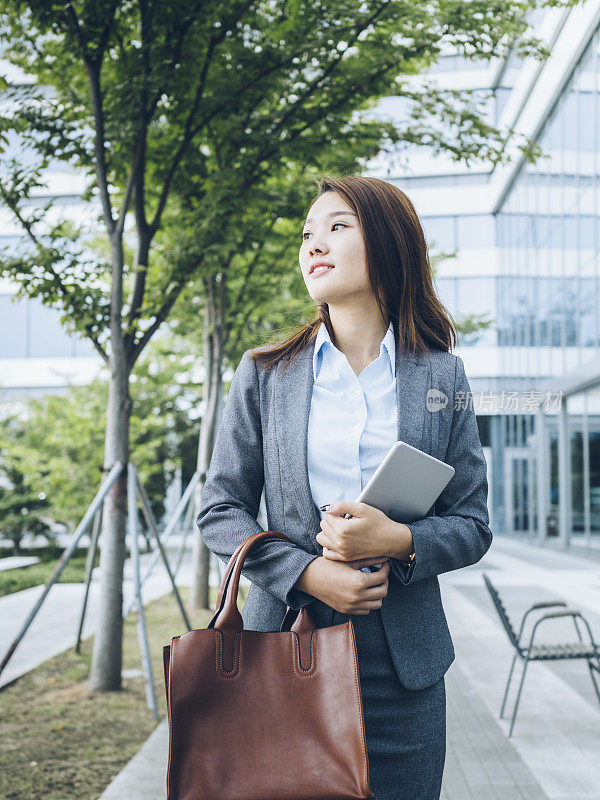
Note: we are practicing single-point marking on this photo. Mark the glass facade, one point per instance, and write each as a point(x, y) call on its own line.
point(547, 300)
point(464, 297)
point(32, 330)
point(532, 265)
point(549, 237)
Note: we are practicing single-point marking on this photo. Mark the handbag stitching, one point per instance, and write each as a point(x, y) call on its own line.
point(170, 704)
point(359, 697)
point(219, 655)
point(304, 673)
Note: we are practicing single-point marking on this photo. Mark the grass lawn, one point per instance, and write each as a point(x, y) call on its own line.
point(13, 580)
point(61, 742)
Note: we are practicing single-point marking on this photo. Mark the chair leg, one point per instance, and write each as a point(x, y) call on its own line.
point(512, 666)
point(518, 698)
point(591, 666)
point(591, 669)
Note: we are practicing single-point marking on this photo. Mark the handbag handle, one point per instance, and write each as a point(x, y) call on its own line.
point(228, 571)
point(227, 617)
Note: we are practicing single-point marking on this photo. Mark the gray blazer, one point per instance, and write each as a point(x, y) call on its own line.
point(262, 441)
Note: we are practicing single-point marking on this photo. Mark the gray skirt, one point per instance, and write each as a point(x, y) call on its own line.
point(405, 730)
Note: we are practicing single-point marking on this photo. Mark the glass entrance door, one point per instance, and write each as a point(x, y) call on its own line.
point(518, 476)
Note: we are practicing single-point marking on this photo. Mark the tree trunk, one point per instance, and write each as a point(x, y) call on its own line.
point(107, 652)
point(212, 389)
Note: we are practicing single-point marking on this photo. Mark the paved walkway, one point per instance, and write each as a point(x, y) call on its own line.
point(554, 752)
point(557, 731)
point(15, 562)
point(481, 762)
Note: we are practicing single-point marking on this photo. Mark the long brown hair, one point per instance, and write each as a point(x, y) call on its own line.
point(398, 267)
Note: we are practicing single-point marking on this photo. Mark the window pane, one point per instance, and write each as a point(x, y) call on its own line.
point(13, 327)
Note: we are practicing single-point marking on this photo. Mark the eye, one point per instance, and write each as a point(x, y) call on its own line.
point(332, 227)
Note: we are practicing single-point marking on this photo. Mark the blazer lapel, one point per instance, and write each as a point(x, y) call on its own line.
point(293, 395)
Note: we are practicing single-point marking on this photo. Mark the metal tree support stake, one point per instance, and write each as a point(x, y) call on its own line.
point(89, 566)
point(135, 563)
point(151, 522)
point(181, 505)
point(184, 531)
point(64, 559)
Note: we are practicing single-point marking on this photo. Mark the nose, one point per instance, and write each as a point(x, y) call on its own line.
point(316, 249)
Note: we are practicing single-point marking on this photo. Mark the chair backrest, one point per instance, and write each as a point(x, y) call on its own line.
point(502, 613)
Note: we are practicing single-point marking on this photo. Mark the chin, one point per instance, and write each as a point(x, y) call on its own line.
point(320, 299)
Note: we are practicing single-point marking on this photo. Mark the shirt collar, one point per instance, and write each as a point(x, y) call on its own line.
point(388, 345)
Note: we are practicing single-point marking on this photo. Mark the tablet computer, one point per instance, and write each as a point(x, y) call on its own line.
point(406, 484)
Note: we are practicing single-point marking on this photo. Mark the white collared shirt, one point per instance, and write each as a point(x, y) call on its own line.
point(353, 419)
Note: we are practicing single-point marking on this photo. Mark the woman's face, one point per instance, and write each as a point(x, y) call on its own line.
point(332, 234)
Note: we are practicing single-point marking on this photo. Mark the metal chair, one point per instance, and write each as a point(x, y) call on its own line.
point(544, 652)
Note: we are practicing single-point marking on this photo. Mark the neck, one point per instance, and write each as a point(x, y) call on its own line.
point(358, 335)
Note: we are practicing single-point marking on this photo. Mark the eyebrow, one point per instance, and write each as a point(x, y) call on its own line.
point(332, 214)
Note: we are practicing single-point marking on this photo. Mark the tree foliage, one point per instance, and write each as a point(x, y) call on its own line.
point(51, 450)
point(144, 97)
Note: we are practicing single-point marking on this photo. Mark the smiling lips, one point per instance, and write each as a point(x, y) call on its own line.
point(320, 268)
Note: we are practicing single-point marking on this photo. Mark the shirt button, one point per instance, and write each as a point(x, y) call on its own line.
point(357, 393)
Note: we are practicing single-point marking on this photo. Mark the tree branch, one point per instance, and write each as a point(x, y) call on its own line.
point(182, 31)
point(94, 66)
point(73, 21)
point(159, 318)
point(100, 160)
point(243, 290)
point(120, 225)
point(248, 84)
point(140, 145)
point(189, 131)
point(252, 264)
point(328, 71)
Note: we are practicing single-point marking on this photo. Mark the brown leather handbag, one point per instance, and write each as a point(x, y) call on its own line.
point(264, 715)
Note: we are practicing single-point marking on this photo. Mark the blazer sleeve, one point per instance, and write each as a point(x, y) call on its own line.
point(458, 534)
point(231, 494)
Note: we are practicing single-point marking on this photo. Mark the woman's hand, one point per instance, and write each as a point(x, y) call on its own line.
point(344, 587)
point(368, 533)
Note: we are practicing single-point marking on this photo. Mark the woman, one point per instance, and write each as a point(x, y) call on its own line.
point(311, 419)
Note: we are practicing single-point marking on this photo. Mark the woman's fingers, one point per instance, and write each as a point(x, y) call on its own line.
point(367, 562)
point(379, 576)
point(368, 605)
